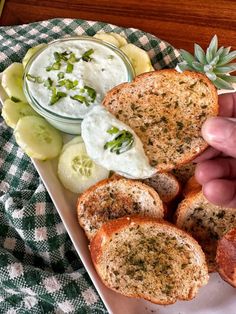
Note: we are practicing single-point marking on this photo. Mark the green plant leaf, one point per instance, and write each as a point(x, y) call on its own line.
point(213, 46)
point(214, 61)
point(221, 84)
point(198, 66)
point(220, 51)
point(227, 78)
point(228, 58)
point(184, 66)
point(209, 56)
point(187, 56)
point(199, 53)
point(211, 75)
point(231, 67)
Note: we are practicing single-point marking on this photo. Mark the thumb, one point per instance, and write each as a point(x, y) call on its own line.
point(220, 133)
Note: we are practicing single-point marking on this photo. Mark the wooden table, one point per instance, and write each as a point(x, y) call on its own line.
point(181, 23)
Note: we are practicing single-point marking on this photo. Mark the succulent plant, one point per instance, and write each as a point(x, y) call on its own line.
point(215, 63)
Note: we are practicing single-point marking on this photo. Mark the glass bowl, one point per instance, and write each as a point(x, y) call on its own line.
point(64, 121)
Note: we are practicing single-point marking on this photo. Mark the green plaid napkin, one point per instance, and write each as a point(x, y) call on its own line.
point(40, 272)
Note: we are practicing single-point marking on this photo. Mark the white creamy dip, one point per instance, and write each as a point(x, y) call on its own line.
point(132, 163)
point(103, 71)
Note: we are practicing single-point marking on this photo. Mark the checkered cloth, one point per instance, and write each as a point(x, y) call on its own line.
point(40, 272)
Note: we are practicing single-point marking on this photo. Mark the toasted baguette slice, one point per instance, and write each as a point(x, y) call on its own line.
point(226, 257)
point(184, 172)
point(192, 186)
point(166, 185)
point(166, 109)
point(205, 222)
point(147, 258)
point(114, 198)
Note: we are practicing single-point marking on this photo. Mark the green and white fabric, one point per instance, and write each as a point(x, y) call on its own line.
point(40, 271)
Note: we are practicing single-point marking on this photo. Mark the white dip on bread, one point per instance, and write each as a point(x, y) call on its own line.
point(114, 145)
point(71, 77)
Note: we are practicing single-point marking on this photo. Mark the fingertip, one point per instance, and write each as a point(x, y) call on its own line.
point(221, 192)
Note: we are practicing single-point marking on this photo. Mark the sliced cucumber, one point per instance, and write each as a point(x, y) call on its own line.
point(138, 57)
point(121, 40)
point(76, 171)
point(12, 81)
point(75, 140)
point(38, 138)
point(13, 111)
point(30, 53)
point(108, 38)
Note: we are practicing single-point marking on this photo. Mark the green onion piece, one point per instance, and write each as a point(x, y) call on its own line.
point(61, 75)
point(34, 79)
point(86, 56)
point(31, 78)
point(122, 142)
point(56, 66)
point(91, 92)
point(56, 96)
point(72, 58)
point(57, 56)
point(113, 130)
point(64, 55)
point(49, 68)
point(82, 90)
point(110, 57)
point(15, 99)
point(61, 82)
point(80, 99)
point(48, 83)
point(69, 67)
point(75, 83)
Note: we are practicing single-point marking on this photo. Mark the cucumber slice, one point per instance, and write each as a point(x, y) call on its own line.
point(121, 40)
point(38, 138)
point(30, 53)
point(75, 140)
point(12, 81)
point(108, 38)
point(76, 171)
point(139, 58)
point(13, 111)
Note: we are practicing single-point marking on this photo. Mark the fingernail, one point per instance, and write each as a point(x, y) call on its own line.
point(218, 129)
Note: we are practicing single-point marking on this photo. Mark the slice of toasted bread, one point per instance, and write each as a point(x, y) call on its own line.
point(184, 172)
point(166, 185)
point(147, 258)
point(114, 198)
point(166, 109)
point(206, 222)
point(226, 257)
point(192, 186)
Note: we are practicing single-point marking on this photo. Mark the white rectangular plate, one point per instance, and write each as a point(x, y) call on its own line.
point(216, 297)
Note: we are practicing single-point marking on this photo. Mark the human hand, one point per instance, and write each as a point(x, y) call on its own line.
point(216, 168)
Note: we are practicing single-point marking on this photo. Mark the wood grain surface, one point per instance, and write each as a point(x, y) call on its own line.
point(180, 23)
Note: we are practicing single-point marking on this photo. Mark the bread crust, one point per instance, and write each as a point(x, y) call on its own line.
point(226, 257)
point(110, 228)
point(95, 201)
point(207, 240)
point(137, 106)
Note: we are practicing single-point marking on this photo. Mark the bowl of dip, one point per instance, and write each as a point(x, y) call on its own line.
point(66, 79)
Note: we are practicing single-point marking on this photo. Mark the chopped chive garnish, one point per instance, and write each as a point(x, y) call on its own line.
point(15, 99)
point(61, 75)
point(57, 56)
point(80, 99)
point(34, 79)
point(56, 66)
point(72, 58)
point(86, 56)
point(110, 57)
point(68, 83)
point(69, 67)
point(122, 142)
point(113, 130)
point(56, 96)
point(49, 68)
point(91, 92)
point(82, 90)
point(48, 83)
